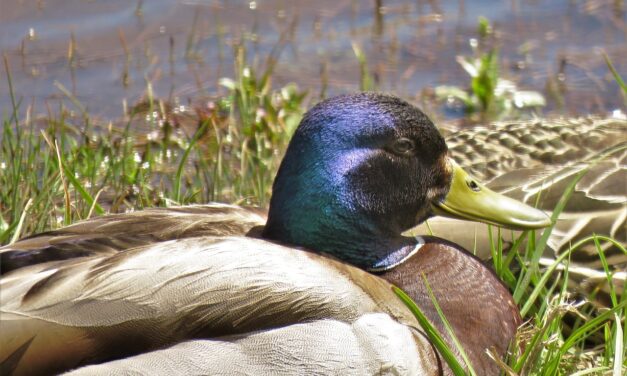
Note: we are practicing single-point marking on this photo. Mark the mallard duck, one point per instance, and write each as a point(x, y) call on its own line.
point(534, 162)
point(193, 307)
point(181, 290)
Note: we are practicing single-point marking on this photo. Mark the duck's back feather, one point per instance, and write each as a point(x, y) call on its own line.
point(112, 233)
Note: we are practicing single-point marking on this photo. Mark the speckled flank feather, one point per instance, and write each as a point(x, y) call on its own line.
point(321, 347)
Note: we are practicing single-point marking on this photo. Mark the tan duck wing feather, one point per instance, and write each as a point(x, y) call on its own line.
point(107, 307)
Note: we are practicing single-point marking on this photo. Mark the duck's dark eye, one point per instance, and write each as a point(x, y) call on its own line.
point(403, 146)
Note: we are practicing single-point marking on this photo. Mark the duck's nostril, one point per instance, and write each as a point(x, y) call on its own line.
point(473, 185)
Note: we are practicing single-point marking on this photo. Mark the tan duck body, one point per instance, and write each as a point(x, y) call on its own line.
point(183, 291)
point(534, 162)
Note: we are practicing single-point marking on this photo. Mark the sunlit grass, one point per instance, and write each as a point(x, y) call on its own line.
point(617, 77)
point(61, 168)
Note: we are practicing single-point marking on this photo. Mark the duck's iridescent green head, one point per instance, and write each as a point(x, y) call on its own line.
point(360, 170)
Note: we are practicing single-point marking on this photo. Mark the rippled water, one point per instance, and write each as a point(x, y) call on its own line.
point(107, 51)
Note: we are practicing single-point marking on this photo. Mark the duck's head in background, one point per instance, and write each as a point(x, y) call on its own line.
point(362, 169)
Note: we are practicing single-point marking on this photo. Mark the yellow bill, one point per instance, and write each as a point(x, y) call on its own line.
point(471, 200)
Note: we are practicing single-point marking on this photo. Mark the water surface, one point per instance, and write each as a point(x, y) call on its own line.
point(105, 52)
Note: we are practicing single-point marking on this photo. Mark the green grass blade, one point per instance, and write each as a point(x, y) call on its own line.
point(593, 324)
point(366, 81)
point(543, 280)
point(449, 328)
point(181, 166)
point(20, 223)
point(606, 268)
point(432, 333)
point(618, 346)
point(615, 73)
point(533, 348)
point(69, 174)
point(541, 244)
